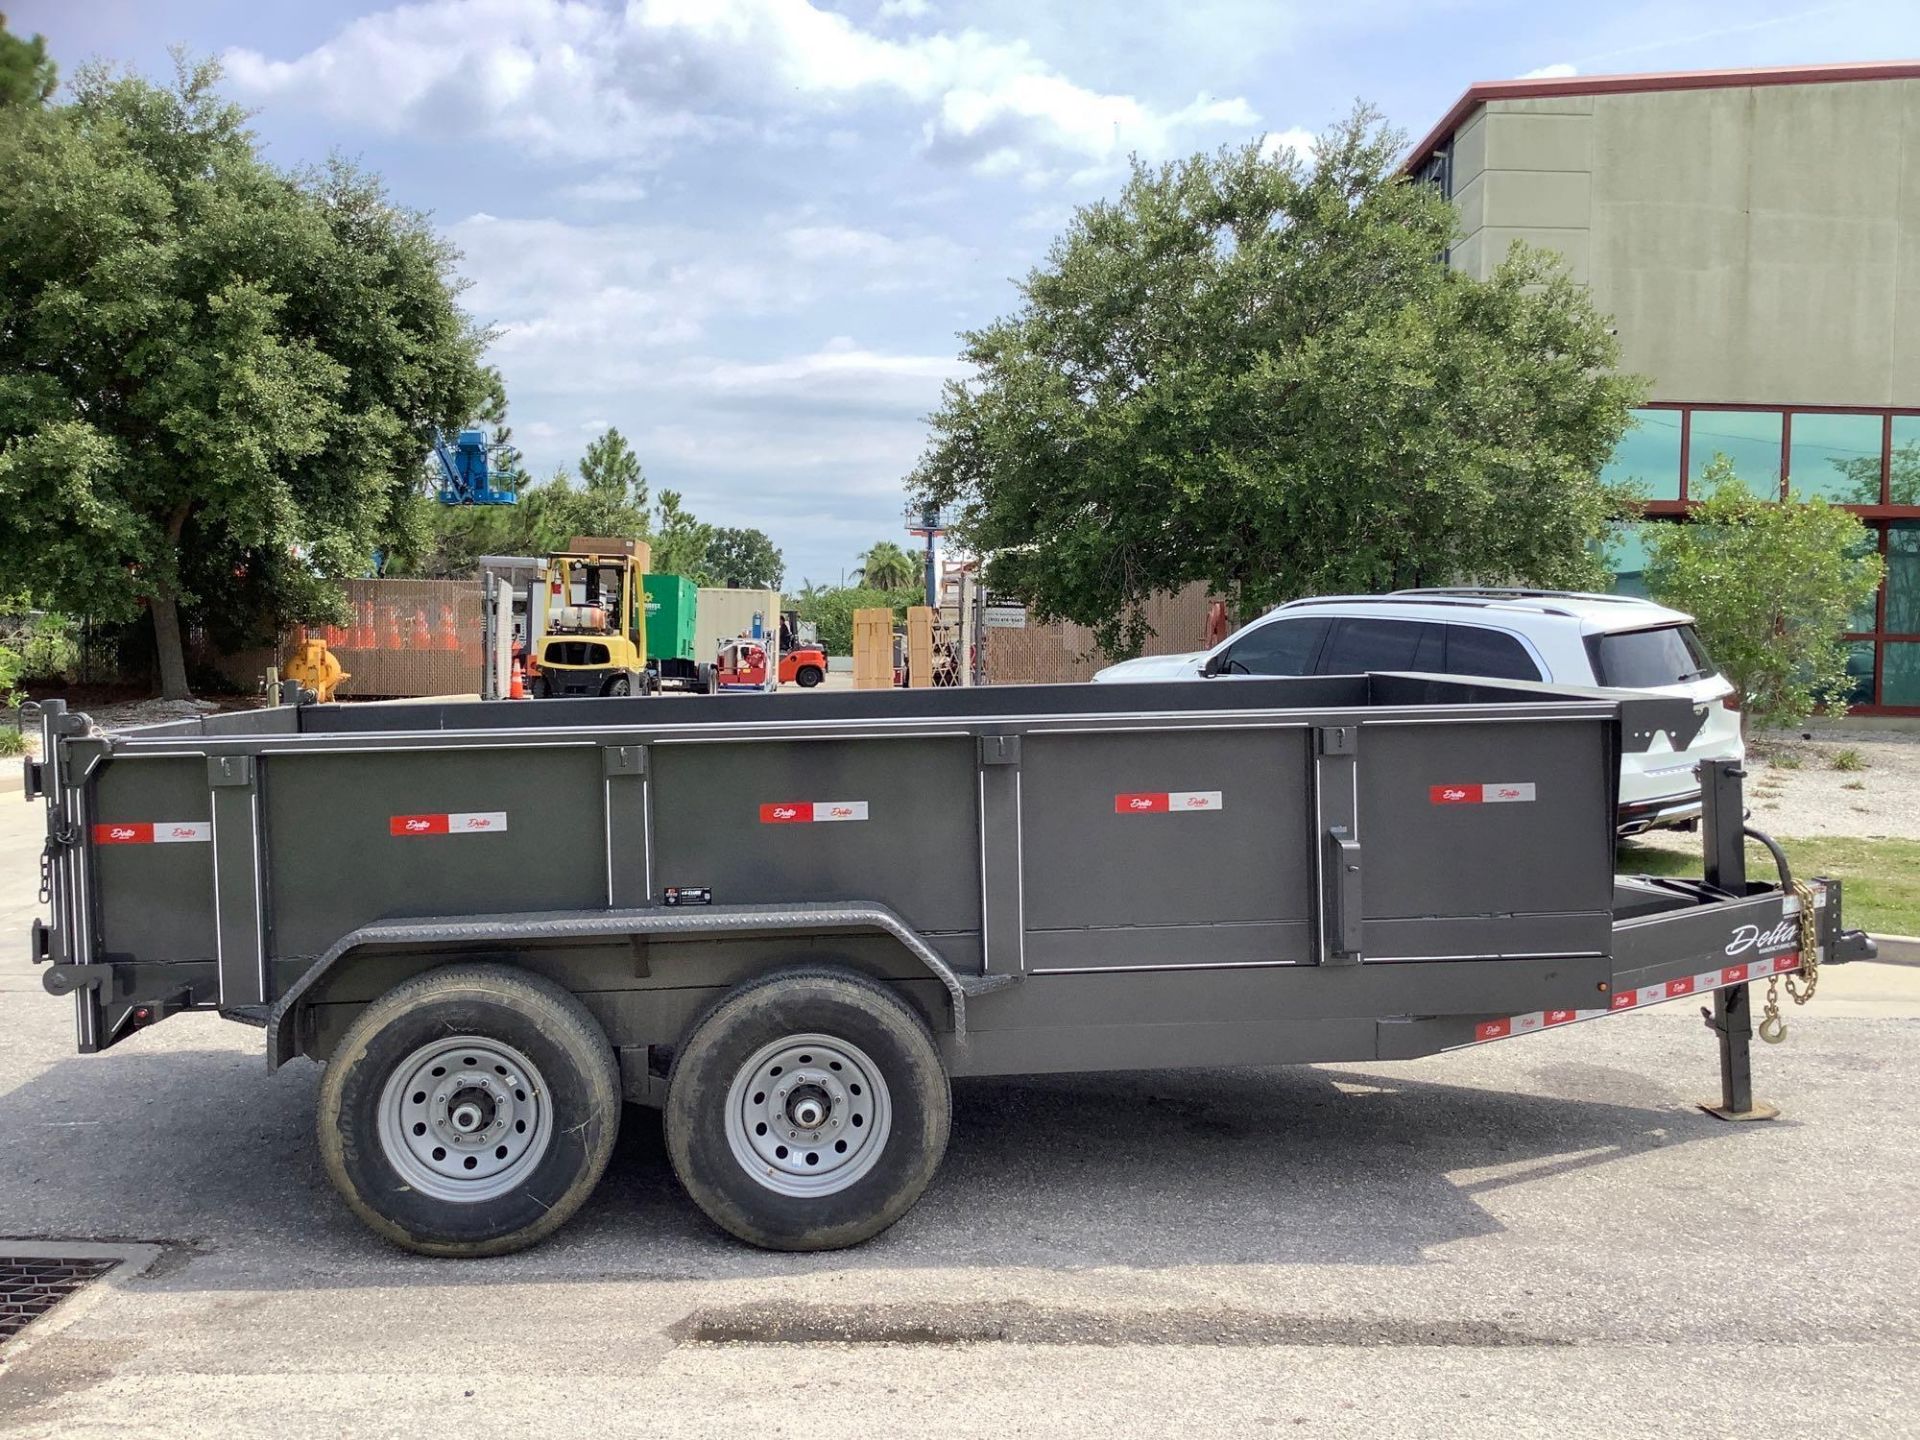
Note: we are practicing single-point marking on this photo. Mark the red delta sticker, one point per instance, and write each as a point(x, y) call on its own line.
point(1165, 802)
point(1490, 792)
point(153, 832)
point(810, 812)
point(1493, 1030)
point(1560, 1017)
point(1682, 986)
point(460, 822)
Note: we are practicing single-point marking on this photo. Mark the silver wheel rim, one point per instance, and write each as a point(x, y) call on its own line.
point(465, 1119)
point(808, 1115)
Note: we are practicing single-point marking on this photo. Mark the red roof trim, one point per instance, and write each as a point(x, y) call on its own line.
point(1482, 92)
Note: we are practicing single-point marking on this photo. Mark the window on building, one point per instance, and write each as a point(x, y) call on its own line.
point(1648, 455)
point(1627, 556)
point(1900, 673)
point(1867, 617)
point(1903, 578)
point(1749, 438)
point(1837, 456)
point(1860, 657)
point(1906, 460)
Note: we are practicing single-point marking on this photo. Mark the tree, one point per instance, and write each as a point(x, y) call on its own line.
point(27, 77)
point(680, 542)
point(1860, 477)
point(613, 486)
point(831, 607)
point(745, 558)
point(886, 566)
point(1771, 587)
point(1259, 373)
point(217, 380)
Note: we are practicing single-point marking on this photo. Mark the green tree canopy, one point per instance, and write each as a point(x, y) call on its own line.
point(1772, 587)
point(1258, 372)
point(746, 558)
point(612, 499)
point(218, 381)
point(680, 542)
point(886, 566)
point(831, 607)
point(27, 76)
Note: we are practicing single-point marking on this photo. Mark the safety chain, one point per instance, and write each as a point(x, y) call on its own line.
point(1772, 1028)
point(61, 835)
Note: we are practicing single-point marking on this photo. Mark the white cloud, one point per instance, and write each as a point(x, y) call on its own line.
point(840, 367)
point(630, 324)
point(607, 190)
point(586, 303)
point(1302, 142)
point(564, 79)
point(1560, 71)
point(904, 9)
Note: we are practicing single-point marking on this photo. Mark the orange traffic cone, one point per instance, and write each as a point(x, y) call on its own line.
point(449, 629)
point(517, 689)
point(393, 626)
point(422, 637)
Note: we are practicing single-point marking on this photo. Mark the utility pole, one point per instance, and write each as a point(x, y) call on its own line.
point(927, 520)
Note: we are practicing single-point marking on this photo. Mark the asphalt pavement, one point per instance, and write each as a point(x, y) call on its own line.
point(1539, 1236)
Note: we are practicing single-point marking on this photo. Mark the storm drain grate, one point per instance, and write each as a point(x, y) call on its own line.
point(30, 1288)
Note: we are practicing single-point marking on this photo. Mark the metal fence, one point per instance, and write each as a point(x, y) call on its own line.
point(1058, 653)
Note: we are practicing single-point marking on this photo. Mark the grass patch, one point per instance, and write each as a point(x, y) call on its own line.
point(1784, 760)
point(12, 742)
point(1854, 785)
point(1882, 876)
point(1848, 760)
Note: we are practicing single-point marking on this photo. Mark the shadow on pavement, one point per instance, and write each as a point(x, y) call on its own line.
point(1324, 1166)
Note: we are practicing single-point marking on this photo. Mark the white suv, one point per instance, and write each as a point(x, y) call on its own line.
point(1613, 641)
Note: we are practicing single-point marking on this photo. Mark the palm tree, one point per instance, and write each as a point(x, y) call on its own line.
point(887, 567)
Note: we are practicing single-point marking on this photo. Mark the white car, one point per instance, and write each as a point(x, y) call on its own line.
point(1613, 641)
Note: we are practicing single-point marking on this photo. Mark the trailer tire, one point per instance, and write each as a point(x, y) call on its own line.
point(808, 676)
point(879, 1138)
point(529, 1162)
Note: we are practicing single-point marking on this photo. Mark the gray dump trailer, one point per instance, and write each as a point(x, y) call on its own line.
point(787, 920)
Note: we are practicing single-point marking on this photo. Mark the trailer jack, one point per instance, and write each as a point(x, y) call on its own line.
point(1724, 834)
point(1731, 1018)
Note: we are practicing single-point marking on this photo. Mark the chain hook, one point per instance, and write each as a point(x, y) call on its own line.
point(1772, 1028)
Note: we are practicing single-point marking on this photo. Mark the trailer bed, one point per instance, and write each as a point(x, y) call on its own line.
point(1050, 878)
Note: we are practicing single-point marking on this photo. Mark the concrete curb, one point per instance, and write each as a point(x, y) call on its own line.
point(1898, 949)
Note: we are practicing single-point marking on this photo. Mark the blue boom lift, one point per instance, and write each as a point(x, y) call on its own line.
point(463, 472)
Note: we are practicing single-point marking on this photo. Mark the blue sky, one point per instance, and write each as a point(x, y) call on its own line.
point(747, 232)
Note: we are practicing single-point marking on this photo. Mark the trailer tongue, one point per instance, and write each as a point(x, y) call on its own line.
point(787, 921)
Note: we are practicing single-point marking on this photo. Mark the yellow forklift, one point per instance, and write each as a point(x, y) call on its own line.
point(589, 616)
